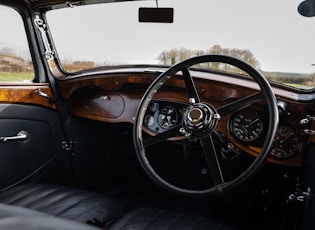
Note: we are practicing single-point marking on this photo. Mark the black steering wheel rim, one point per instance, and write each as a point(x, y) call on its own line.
point(265, 93)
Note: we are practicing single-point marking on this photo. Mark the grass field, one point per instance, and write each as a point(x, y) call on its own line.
point(16, 77)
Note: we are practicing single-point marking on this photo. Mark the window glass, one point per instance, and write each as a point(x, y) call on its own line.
point(270, 35)
point(15, 59)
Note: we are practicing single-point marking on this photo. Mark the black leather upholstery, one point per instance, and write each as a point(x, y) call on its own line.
point(18, 218)
point(157, 219)
point(63, 202)
point(51, 201)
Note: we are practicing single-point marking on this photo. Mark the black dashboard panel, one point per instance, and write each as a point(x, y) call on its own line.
point(163, 115)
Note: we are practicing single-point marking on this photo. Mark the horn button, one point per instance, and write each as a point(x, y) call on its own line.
point(200, 119)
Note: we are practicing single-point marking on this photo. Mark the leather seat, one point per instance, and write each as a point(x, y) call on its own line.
point(63, 202)
point(18, 218)
point(158, 219)
point(44, 206)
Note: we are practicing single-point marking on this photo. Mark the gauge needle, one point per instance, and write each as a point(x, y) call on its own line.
point(244, 128)
point(288, 136)
point(254, 121)
point(169, 120)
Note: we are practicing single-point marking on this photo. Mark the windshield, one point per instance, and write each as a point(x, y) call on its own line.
point(270, 35)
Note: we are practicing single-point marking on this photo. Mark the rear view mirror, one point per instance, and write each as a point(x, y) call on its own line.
point(161, 15)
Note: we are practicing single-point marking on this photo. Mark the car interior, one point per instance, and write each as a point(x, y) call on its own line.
point(157, 115)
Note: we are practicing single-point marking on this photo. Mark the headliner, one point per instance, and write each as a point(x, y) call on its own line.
point(52, 4)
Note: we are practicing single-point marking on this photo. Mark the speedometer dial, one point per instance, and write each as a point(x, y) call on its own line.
point(246, 125)
point(286, 143)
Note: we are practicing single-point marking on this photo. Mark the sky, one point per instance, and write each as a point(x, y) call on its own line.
point(278, 41)
point(12, 24)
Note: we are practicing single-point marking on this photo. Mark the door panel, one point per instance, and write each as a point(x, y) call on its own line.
point(26, 102)
point(21, 159)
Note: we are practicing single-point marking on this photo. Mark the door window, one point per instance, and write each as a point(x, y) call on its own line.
point(15, 59)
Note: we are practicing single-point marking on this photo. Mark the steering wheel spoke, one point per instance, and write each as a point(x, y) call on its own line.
point(212, 160)
point(240, 104)
point(190, 87)
point(172, 132)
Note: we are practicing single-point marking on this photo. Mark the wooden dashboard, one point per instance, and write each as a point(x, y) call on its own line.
point(115, 98)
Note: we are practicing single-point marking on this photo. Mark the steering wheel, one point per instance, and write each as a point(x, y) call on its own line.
point(199, 122)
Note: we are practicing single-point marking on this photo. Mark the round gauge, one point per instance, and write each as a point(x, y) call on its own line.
point(167, 117)
point(286, 143)
point(148, 120)
point(246, 125)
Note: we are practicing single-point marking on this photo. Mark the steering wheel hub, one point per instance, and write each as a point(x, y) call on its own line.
point(195, 115)
point(200, 119)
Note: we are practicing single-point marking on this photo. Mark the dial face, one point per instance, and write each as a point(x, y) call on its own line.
point(286, 143)
point(246, 125)
point(167, 117)
point(149, 120)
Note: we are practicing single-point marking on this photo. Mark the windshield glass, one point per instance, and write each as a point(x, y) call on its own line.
point(270, 35)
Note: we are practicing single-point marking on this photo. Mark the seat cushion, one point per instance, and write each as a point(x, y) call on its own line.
point(157, 219)
point(63, 202)
point(19, 218)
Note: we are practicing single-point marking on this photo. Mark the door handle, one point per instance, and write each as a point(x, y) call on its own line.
point(21, 136)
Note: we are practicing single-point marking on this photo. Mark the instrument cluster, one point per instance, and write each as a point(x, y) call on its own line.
point(247, 126)
point(250, 127)
point(163, 115)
